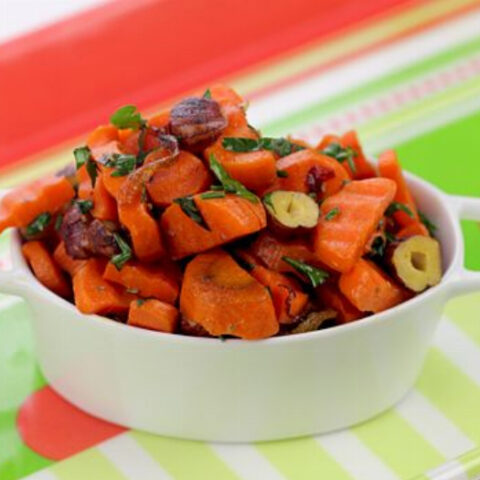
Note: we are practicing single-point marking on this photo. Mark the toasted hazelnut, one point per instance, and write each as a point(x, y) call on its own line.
point(417, 262)
point(292, 210)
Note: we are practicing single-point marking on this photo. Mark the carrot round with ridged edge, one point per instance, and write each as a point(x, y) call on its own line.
point(45, 268)
point(369, 288)
point(65, 261)
point(157, 281)
point(153, 314)
point(225, 300)
point(331, 297)
point(389, 167)
point(339, 241)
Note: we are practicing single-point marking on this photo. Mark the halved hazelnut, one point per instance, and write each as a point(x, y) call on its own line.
point(417, 262)
point(292, 210)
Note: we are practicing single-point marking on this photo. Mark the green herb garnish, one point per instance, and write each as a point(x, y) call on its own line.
point(140, 301)
point(125, 254)
point(58, 222)
point(38, 225)
point(341, 154)
point(332, 214)
point(281, 146)
point(377, 248)
point(390, 237)
point(84, 205)
point(282, 174)
point(127, 117)
point(122, 163)
point(229, 184)
point(214, 194)
point(82, 155)
point(315, 275)
point(207, 94)
point(431, 227)
point(188, 206)
point(398, 207)
point(267, 200)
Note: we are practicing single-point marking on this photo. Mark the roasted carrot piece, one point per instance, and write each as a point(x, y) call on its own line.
point(65, 261)
point(288, 298)
point(45, 269)
point(363, 168)
point(23, 204)
point(85, 188)
point(389, 167)
point(225, 95)
point(104, 205)
point(158, 281)
point(111, 184)
point(340, 241)
point(225, 300)
point(331, 297)
point(307, 170)
point(153, 315)
point(416, 228)
point(160, 119)
point(226, 219)
point(144, 231)
point(186, 176)
point(327, 140)
point(369, 289)
point(103, 140)
point(93, 294)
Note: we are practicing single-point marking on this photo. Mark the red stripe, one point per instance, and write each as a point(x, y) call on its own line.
point(62, 80)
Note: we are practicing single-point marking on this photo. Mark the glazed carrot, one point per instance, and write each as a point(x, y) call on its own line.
point(146, 238)
point(225, 95)
point(111, 184)
point(45, 269)
point(369, 289)
point(23, 204)
point(256, 170)
point(160, 119)
point(104, 205)
point(85, 188)
point(327, 140)
point(363, 168)
point(186, 176)
point(226, 219)
point(288, 298)
point(416, 228)
point(331, 297)
point(153, 315)
point(308, 171)
point(339, 241)
point(93, 294)
point(389, 167)
point(158, 281)
point(65, 261)
point(225, 300)
point(103, 140)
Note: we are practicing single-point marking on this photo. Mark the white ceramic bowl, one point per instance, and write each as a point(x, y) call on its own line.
point(235, 391)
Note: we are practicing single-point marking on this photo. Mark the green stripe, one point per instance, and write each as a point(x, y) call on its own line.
point(303, 459)
point(471, 463)
point(321, 109)
point(185, 459)
point(400, 447)
point(452, 392)
point(462, 310)
point(90, 464)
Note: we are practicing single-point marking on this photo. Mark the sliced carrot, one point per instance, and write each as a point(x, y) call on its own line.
point(160, 119)
point(225, 300)
point(288, 298)
point(226, 219)
point(417, 228)
point(363, 168)
point(45, 269)
point(186, 176)
point(158, 281)
point(390, 167)
point(369, 289)
point(331, 297)
point(104, 205)
point(85, 188)
point(103, 140)
point(327, 140)
point(340, 241)
point(153, 315)
point(65, 261)
point(93, 294)
point(225, 95)
point(111, 184)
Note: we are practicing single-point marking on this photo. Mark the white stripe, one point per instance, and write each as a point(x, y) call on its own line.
point(432, 425)
point(355, 73)
point(459, 348)
point(131, 459)
point(355, 457)
point(452, 470)
point(41, 475)
point(246, 461)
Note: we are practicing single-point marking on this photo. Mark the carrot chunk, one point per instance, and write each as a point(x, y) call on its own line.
point(158, 281)
point(65, 261)
point(103, 140)
point(416, 228)
point(340, 241)
point(45, 269)
point(363, 168)
point(332, 298)
point(104, 205)
point(225, 300)
point(153, 315)
point(369, 289)
point(93, 294)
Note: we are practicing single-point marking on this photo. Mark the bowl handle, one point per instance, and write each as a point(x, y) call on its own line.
point(466, 208)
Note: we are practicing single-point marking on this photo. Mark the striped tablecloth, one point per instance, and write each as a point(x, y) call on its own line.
point(406, 75)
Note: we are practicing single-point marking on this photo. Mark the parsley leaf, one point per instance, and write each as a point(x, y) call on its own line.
point(140, 301)
point(377, 248)
point(84, 205)
point(431, 227)
point(58, 222)
point(82, 155)
point(214, 194)
point(188, 206)
point(207, 94)
point(229, 184)
point(398, 207)
point(315, 275)
point(332, 214)
point(123, 164)
point(282, 174)
point(38, 225)
point(120, 259)
point(267, 200)
point(341, 154)
point(281, 146)
point(127, 117)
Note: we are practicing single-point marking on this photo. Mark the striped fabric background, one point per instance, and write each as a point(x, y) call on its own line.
point(406, 76)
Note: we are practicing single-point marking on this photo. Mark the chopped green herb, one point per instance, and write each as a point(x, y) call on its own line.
point(240, 144)
point(58, 222)
point(216, 188)
point(229, 184)
point(214, 194)
point(341, 154)
point(398, 207)
point(125, 254)
point(133, 291)
point(282, 174)
point(377, 248)
point(38, 225)
point(82, 155)
point(141, 145)
point(207, 94)
point(84, 205)
point(123, 164)
point(390, 237)
point(281, 146)
point(188, 206)
point(127, 117)
point(332, 214)
point(431, 227)
point(267, 200)
point(140, 301)
point(92, 170)
point(315, 275)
